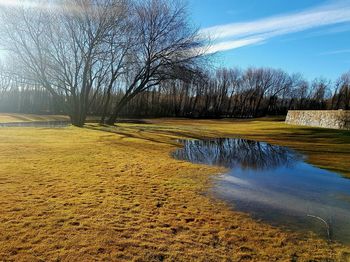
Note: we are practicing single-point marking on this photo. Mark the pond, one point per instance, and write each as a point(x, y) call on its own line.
point(49, 124)
point(276, 185)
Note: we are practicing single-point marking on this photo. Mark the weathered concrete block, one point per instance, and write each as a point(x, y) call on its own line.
point(338, 119)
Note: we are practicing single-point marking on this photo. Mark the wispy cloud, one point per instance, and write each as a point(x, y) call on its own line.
point(336, 29)
point(231, 36)
point(336, 52)
point(228, 45)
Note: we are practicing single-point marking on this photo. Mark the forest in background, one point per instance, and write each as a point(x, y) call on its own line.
point(253, 92)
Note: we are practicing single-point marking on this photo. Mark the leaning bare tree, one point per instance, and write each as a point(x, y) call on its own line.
point(166, 46)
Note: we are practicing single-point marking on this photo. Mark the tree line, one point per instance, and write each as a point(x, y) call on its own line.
point(130, 58)
point(253, 92)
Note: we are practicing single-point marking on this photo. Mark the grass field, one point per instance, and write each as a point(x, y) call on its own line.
point(114, 193)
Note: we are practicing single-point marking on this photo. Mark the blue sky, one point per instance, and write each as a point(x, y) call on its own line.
point(311, 36)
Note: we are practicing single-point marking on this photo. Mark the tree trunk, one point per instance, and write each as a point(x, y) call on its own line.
point(113, 118)
point(77, 120)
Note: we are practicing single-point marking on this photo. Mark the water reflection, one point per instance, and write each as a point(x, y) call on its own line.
point(236, 152)
point(50, 124)
point(273, 183)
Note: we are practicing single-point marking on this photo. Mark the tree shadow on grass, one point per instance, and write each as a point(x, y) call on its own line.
point(307, 133)
point(307, 140)
point(133, 121)
point(163, 135)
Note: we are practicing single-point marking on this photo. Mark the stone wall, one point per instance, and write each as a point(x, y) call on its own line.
point(338, 119)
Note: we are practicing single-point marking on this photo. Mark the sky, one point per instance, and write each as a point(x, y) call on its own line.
point(311, 37)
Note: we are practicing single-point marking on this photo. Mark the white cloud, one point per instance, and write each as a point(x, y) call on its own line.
point(336, 52)
point(228, 45)
point(235, 35)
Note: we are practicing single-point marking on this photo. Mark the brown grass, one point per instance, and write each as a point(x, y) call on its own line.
point(114, 194)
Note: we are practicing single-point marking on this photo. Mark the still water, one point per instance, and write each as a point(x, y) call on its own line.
point(48, 124)
point(276, 184)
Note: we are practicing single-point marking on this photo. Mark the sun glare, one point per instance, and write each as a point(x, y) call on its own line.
point(18, 3)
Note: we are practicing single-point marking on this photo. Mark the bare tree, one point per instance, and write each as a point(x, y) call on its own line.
point(5, 80)
point(342, 93)
point(64, 47)
point(166, 46)
point(319, 93)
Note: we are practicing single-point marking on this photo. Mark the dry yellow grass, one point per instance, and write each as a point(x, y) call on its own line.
point(114, 194)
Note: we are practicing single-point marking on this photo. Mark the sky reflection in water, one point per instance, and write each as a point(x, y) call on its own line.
point(275, 184)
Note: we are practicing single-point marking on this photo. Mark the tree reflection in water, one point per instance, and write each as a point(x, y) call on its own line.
point(230, 153)
point(275, 184)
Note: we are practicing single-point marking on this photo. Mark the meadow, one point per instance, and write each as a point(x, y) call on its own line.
point(114, 193)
